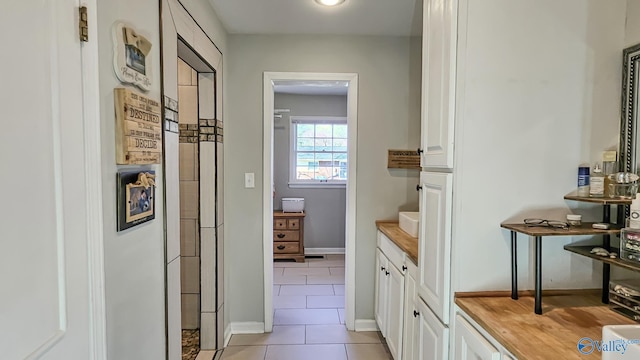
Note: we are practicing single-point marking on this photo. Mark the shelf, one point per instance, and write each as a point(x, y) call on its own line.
point(584, 229)
point(595, 200)
point(586, 251)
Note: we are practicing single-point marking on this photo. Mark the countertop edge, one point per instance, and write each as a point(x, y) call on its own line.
point(382, 225)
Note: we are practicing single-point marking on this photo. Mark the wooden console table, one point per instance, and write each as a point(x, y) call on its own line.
point(538, 232)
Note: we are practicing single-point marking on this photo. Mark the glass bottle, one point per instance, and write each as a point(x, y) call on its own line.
point(596, 182)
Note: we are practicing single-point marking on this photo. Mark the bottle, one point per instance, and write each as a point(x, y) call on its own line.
point(634, 217)
point(609, 166)
point(583, 181)
point(596, 182)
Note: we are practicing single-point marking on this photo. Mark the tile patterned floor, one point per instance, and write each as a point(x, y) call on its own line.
point(190, 344)
point(308, 319)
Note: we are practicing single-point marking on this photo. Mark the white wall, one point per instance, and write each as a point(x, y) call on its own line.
point(388, 109)
point(133, 258)
point(324, 224)
point(541, 95)
point(632, 28)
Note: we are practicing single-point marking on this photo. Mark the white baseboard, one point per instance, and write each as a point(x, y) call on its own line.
point(323, 251)
point(227, 335)
point(249, 327)
point(365, 325)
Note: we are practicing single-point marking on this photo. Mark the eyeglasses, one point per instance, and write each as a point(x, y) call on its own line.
point(546, 223)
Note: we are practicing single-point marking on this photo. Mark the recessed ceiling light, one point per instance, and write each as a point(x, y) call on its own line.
point(330, 2)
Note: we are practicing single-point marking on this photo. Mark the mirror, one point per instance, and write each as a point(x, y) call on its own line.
point(629, 116)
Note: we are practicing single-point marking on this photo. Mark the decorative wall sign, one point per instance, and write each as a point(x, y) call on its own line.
point(136, 198)
point(131, 56)
point(403, 159)
point(138, 128)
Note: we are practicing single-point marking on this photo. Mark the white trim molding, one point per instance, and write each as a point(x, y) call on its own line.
point(227, 335)
point(365, 325)
point(270, 78)
point(249, 327)
point(323, 251)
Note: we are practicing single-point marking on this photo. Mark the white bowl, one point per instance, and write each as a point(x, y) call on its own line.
point(619, 342)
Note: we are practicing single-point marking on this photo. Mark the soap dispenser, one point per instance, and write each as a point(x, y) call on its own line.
point(634, 220)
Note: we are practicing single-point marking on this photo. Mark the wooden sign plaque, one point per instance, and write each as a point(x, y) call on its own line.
point(138, 128)
point(403, 159)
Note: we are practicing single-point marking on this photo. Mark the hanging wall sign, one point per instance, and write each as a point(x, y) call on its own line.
point(403, 159)
point(131, 56)
point(138, 128)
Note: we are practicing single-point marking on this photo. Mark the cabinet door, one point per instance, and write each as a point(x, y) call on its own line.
point(433, 341)
point(438, 82)
point(381, 291)
point(411, 320)
point(470, 344)
point(434, 242)
point(395, 310)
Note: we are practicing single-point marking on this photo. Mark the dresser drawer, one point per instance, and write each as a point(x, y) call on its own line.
point(293, 224)
point(286, 235)
point(280, 224)
point(286, 247)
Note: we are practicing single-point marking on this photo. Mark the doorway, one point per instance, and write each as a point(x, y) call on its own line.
point(340, 172)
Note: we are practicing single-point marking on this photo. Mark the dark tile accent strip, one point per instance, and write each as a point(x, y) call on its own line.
point(188, 133)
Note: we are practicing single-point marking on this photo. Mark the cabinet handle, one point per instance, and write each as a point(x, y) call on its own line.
point(418, 187)
point(381, 268)
point(280, 236)
point(419, 151)
point(404, 268)
point(386, 273)
point(415, 313)
point(280, 247)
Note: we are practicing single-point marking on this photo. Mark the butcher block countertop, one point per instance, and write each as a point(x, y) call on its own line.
point(406, 242)
point(568, 316)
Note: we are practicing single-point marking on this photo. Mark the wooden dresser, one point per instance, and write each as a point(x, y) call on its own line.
point(288, 236)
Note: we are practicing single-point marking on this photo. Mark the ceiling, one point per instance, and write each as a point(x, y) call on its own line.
point(354, 17)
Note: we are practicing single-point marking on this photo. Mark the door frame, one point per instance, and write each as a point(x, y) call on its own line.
point(267, 210)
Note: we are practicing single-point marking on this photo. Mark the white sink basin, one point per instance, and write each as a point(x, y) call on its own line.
point(619, 342)
point(409, 222)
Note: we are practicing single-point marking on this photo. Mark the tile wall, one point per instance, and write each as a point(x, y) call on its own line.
point(189, 195)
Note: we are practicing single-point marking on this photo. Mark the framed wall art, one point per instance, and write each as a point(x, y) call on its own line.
point(131, 53)
point(136, 198)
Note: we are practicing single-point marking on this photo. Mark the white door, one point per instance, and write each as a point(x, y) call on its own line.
point(433, 342)
point(438, 82)
point(434, 242)
point(395, 310)
point(381, 291)
point(470, 344)
point(47, 217)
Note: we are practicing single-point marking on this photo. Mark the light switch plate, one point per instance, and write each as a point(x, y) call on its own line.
point(249, 180)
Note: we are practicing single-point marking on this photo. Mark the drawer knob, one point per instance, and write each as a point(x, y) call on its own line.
point(386, 273)
point(404, 268)
point(280, 236)
point(381, 268)
point(280, 247)
point(419, 151)
point(415, 313)
point(418, 187)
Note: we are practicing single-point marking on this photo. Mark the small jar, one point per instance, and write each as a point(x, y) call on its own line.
point(574, 220)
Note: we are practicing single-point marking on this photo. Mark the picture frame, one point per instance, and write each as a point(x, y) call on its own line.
point(136, 198)
point(131, 56)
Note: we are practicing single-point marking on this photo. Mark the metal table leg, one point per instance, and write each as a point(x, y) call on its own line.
point(606, 243)
point(514, 266)
point(538, 289)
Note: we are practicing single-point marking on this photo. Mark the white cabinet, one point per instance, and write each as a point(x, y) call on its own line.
point(411, 327)
point(470, 344)
point(438, 82)
point(433, 341)
point(434, 242)
point(381, 291)
point(389, 300)
point(395, 311)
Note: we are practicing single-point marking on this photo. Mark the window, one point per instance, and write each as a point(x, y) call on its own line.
point(318, 151)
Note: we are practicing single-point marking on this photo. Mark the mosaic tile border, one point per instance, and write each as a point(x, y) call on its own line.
point(188, 133)
point(211, 130)
point(171, 115)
